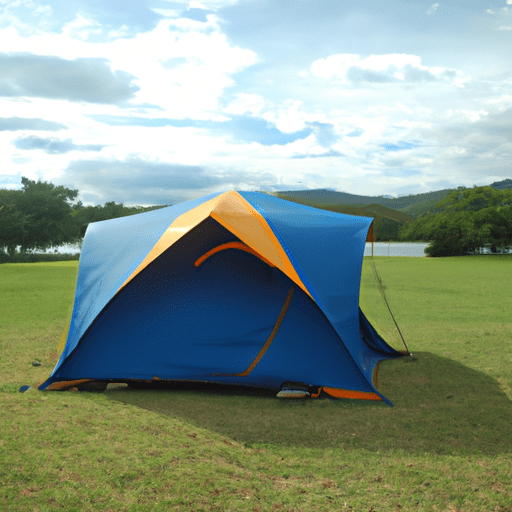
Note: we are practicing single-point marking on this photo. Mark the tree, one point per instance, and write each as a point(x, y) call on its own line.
point(42, 215)
point(12, 221)
point(385, 229)
point(475, 199)
point(37, 217)
point(465, 220)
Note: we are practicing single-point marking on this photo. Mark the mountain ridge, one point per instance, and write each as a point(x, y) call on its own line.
point(412, 205)
point(325, 198)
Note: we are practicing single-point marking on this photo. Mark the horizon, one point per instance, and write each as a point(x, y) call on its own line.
point(507, 181)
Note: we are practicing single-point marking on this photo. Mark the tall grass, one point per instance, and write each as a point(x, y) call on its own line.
point(446, 445)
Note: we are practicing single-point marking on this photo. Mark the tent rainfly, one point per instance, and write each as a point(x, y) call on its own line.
point(237, 288)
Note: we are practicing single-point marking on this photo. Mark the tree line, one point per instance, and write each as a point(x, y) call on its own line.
point(41, 215)
point(465, 220)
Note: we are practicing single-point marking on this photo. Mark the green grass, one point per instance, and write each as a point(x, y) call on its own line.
point(446, 445)
point(457, 308)
point(35, 301)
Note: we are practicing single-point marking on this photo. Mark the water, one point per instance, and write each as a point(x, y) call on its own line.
point(415, 249)
point(63, 249)
point(379, 249)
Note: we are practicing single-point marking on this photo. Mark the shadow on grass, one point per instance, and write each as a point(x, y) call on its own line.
point(441, 407)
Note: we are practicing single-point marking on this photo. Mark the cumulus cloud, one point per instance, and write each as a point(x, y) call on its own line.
point(384, 68)
point(475, 151)
point(181, 65)
point(54, 146)
point(107, 15)
point(262, 94)
point(239, 128)
point(89, 80)
point(25, 123)
point(245, 103)
point(290, 32)
point(326, 154)
point(136, 181)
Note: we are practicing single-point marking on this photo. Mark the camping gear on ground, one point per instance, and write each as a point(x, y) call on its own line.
point(238, 288)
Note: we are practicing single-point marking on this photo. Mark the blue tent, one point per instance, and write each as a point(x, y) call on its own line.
point(234, 288)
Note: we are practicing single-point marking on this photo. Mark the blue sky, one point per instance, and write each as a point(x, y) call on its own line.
point(155, 102)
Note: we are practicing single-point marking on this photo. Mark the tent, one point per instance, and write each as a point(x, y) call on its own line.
point(237, 288)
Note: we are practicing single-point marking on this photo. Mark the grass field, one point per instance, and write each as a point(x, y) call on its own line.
point(446, 445)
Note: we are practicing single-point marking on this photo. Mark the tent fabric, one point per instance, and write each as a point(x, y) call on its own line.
point(235, 288)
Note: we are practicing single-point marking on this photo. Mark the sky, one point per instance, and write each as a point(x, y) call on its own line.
point(155, 102)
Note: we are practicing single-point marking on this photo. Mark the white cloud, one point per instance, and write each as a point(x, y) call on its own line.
point(382, 69)
point(81, 28)
point(502, 15)
point(288, 118)
point(225, 94)
point(181, 65)
point(246, 103)
point(433, 8)
point(467, 115)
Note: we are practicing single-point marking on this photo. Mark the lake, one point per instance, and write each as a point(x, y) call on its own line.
point(379, 249)
point(396, 249)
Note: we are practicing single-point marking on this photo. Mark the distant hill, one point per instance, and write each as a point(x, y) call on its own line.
point(422, 207)
point(387, 222)
point(502, 185)
point(322, 198)
point(390, 213)
point(377, 210)
point(412, 205)
point(329, 197)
